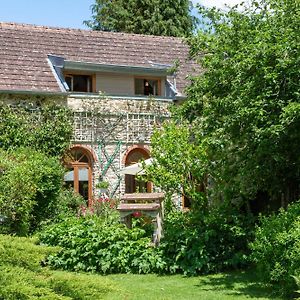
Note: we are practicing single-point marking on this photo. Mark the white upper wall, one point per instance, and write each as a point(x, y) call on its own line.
point(115, 84)
point(119, 84)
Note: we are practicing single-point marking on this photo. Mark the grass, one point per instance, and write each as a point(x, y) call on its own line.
point(22, 276)
point(236, 285)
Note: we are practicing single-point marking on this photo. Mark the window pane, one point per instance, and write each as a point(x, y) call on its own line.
point(83, 174)
point(69, 176)
point(80, 83)
point(84, 189)
point(153, 87)
point(139, 86)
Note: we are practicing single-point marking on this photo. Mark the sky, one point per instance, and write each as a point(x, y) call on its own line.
point(63, 13)
point(58, 13)
point(217, 3)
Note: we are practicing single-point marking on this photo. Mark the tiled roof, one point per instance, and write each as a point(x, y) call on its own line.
point(24, 50)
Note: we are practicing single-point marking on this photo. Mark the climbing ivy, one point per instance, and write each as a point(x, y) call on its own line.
point(47, 129)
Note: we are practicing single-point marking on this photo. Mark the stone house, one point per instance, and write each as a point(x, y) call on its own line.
point(119, 86)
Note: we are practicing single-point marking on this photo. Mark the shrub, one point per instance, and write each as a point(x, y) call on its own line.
point(276, 248)
point(23, 277)
point(101, 245)
point(30, 183)
point(199, 242)
point(68, 203)
point(191, 244)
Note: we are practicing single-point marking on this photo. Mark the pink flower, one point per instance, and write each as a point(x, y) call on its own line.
point(137, 214)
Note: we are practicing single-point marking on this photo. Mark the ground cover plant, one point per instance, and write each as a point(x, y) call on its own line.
point(22, 276)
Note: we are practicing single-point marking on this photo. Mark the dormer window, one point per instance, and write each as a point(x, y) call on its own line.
point(147, 86)
point(79, 83)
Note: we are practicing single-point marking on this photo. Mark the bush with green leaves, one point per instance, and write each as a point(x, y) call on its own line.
point(30, 183)
point(196, 242)
point(101, 245)
point(246, 102)
point(191, 244)
point(69, 203)
point(276, 248)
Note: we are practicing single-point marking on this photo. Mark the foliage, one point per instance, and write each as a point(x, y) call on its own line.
point(69, 203)
point(156, 17)
point(191, 244)
point(297, 279)
point(102, 185)
point(245, 104)
point(47, 129)
point(179, 165)
point(199, 242)
point(275, 249)
point(99, 245)
point(30, 183)
point(23, 277)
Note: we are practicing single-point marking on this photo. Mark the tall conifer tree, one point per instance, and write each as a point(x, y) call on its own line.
point(156, 17)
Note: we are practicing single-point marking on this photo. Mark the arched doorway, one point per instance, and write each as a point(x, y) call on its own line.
point(79, 162)
point(132, 184)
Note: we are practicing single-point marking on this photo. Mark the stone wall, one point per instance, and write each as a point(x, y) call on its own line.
point(110, 127)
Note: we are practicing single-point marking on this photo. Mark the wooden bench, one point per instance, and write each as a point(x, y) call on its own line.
point(150, 204)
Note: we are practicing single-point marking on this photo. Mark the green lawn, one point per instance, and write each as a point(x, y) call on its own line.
point(23, 277)
point(238, 285)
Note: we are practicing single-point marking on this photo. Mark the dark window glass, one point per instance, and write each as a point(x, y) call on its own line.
point(146, 87)
point(79, 83)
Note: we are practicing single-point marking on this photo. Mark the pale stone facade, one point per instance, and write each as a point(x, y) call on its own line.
point(111, 127)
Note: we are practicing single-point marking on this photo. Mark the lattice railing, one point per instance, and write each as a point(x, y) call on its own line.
point(127, 128)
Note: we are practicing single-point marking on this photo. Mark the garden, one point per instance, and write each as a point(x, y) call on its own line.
point(231, 149)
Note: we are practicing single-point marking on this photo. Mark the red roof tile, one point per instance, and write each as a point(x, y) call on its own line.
point(24, 49)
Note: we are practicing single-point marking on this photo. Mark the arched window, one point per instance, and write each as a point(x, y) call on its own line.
point(79, 162)
point(132, 185)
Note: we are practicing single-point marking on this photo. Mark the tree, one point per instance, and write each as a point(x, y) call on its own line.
point(179, 165)
point(156, 17)
point(247, 103)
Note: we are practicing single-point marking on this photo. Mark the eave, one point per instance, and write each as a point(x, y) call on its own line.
point(156, 70)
